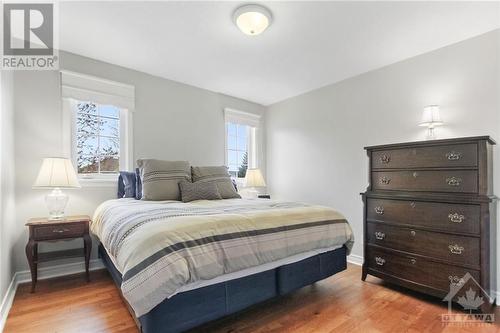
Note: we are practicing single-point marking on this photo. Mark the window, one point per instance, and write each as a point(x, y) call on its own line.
point(97, 137)
point(97, 122)
point(237, 149)
point(241, 142)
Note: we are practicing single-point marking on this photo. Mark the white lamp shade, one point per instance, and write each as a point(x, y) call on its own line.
point(252, 19)
point(431, 116)
point(56, 172)
point(254, 178)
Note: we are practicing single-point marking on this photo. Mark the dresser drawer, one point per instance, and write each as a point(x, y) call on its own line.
point(59, 231)
point(460, 155)
point(460, 250)
point(417, 270)
point(439, 216)
point(457, 181)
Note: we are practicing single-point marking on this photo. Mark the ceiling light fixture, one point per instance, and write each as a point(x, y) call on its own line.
point(252, 19)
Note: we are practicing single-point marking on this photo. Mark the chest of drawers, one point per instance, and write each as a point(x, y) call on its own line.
point(430, 216)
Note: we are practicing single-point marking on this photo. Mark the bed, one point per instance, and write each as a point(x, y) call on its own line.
point(179, 265)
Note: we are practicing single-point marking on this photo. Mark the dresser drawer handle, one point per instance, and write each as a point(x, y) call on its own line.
point(379, 235)
point(456, 218)
point(413, 233)
point(385, 180)
point(454, 181)
point(379, 210)
point(380, 261)
point(453, 156)
point(385, 159)
point(455, 279)
point(413, 261)
point(60, 231)
point(456, 249)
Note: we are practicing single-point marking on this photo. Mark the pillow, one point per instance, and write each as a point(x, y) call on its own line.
point(121, 187)
point(138, 184)
point(126, 184)
point(160, 179)
point(198, 191)
point(218, 175)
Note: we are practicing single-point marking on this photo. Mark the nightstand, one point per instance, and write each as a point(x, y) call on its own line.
point(45, 230)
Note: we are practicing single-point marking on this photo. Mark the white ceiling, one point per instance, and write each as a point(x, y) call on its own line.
point(309, 44)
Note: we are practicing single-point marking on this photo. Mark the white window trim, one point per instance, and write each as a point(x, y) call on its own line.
point(254, 122)
point(69, 142)
point(74, 87)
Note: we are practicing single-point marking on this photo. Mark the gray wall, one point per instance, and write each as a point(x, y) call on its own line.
point(7, 209)
point(315, 141)
point(171, 121)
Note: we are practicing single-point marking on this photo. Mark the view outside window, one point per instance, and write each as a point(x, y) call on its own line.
point(97, 138)
point(237, 149)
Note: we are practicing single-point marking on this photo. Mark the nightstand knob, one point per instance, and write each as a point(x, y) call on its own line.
point(60, 231)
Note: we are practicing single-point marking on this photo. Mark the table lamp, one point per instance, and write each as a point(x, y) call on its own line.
point(254, 179)
point(430, 119)
point(56, 173)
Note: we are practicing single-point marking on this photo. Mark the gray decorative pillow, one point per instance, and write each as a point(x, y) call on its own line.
point(218, 175)
point(160, 179)
point(198, 191)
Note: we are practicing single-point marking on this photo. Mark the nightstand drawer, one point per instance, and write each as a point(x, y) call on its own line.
point(59, 231)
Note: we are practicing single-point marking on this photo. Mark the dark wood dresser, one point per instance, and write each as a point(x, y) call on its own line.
point(430, 216)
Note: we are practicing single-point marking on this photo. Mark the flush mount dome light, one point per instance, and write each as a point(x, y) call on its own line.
point(252, 19)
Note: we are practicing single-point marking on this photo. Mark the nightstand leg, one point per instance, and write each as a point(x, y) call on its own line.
point(87, 245)
point(30, 248)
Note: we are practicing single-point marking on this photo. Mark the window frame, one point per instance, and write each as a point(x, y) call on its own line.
point(70, 144)
point(253, 136)
point(249, 139)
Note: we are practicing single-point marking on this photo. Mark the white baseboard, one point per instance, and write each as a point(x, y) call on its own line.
point(355, 259)
point(59, 270)
point(43, 273)
point(7, 302)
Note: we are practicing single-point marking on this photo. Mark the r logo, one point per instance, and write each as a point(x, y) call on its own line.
point(28, 29)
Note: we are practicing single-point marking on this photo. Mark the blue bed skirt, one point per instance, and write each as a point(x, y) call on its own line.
point(196, 307)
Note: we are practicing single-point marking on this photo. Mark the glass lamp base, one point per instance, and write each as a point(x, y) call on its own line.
point(56, 202)
point(431, 134)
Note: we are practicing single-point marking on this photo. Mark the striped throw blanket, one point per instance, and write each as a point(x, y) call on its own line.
point(161, 246)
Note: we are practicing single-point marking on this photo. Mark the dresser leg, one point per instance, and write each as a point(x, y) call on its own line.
point(30, 253)
point(363, 273)
point(87, 245)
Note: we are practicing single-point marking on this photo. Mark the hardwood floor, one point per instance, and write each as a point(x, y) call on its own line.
point(342, 303)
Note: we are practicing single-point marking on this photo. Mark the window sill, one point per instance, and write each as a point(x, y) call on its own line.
point(98, 182)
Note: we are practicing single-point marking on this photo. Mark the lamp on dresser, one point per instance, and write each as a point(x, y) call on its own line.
point(431, 118)
point(429, 217)
point(56, 173)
